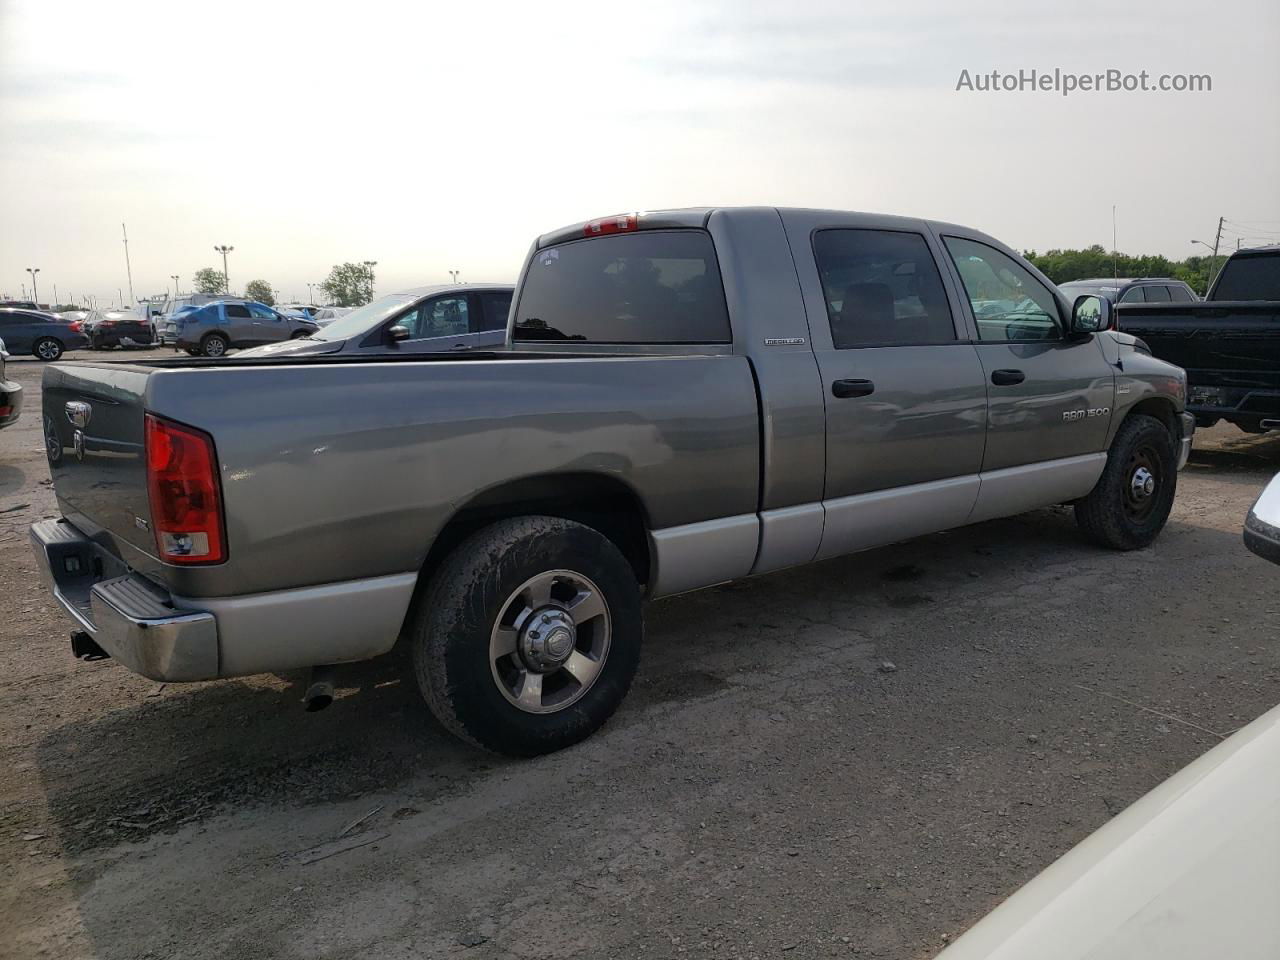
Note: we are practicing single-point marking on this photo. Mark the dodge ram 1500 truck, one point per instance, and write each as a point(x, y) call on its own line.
point(688, 397)
point(1229, 343)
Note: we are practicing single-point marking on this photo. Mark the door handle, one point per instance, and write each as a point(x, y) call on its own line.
point(459, 346)
point(852, 388)
point(1007, 378)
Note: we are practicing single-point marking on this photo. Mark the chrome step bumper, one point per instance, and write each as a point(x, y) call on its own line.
point(126, 614)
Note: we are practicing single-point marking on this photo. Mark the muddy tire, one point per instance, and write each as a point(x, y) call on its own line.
point(214, 345)
point(527, 637)
point(1128, 507)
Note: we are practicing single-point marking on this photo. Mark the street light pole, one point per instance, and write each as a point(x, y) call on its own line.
point(35, 294)
point(128, 268)
point(453, 275)
point(174, 278)
point(1208, 273)
point(226, 280)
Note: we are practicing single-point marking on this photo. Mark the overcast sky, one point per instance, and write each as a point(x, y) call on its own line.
point(431, 137)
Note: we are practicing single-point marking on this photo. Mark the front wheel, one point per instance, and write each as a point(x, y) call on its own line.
point(1128, 507)
point(47, 348)
point(527, 638)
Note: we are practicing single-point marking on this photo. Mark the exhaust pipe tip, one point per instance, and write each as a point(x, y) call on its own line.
point(320, 689)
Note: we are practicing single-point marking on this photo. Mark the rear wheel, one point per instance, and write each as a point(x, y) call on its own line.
point(47, 348)
point(1128, 507)
point(214, 345)
point(527, 638)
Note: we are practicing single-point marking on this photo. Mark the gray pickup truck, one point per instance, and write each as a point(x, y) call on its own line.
point(688, 397)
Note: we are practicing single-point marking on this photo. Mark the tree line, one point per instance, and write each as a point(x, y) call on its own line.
point(348, 285)
point(1062, 266)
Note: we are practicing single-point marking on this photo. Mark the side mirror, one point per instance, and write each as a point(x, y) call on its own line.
point(397, 333)
point(1262, 526)
point(1090, 314)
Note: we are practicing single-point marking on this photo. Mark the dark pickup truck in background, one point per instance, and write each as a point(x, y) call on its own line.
point(1229, 343)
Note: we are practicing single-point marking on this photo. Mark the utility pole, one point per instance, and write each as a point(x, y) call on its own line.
point(226, 280)
point(127, 267)
point(1216, 240)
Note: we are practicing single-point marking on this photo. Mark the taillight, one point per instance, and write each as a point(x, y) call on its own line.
point(186, 500)
point(623, 223)
point(75, 326)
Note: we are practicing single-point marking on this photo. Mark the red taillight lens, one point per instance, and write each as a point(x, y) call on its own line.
point(623, 223)
point(75, 326)
point(186, 500)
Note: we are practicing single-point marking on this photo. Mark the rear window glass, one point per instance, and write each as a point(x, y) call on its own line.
point(881, 287)
point(1250, 278)
point(658, 286)
point(1180, 295)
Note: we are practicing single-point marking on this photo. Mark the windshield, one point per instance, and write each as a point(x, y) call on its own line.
point(1073, 290)
point(366, 318)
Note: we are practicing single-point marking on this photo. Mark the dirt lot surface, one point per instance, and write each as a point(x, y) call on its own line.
point(859, 758)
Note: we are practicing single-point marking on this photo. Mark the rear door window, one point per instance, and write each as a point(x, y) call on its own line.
point(237, 311)
point(653, 286)
point(1180, 294)
point(1133, 295)
point(495, 308)
point(881, 287)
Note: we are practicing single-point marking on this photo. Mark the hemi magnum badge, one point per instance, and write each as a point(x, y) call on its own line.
point(783, 341)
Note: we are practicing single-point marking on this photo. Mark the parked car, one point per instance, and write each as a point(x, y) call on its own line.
point(1132, 290)
point(689, 397)
point(167, 326)
point(1229, 344)
point(10, 393)
point(118, 328)
point(307, 310)
point(20, 304)
point(1188, 871)
point(326, 315)
point(216, 327)
point(45, 335)
point(454, 316)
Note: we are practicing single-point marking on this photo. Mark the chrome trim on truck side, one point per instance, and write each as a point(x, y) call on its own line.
point(174, 638)
point(701, 554)
point(1025, 487)
point(1188, 422)
point(287, 629)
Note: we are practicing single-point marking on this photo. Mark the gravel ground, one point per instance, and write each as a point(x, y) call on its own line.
point(858, 758)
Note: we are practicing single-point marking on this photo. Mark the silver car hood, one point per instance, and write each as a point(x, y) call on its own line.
point(295, 348)
point(1190, 871)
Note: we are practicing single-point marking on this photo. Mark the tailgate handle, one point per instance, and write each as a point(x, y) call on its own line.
point(1007, 378)
point(852, 388)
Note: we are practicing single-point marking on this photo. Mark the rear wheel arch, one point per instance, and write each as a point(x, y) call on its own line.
point(602, 502)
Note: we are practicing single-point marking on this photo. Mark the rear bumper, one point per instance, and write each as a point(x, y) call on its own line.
point(173, 638)
point(1188, 425)
point(127, 615)
point(10, 402)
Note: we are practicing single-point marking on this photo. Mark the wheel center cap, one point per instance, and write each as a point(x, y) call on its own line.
point(1143, 483)
point(547, 639)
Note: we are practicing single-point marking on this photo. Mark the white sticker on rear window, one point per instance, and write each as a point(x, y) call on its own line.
point(549, 257)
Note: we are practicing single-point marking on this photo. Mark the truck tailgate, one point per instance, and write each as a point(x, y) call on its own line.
point(93, 424)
